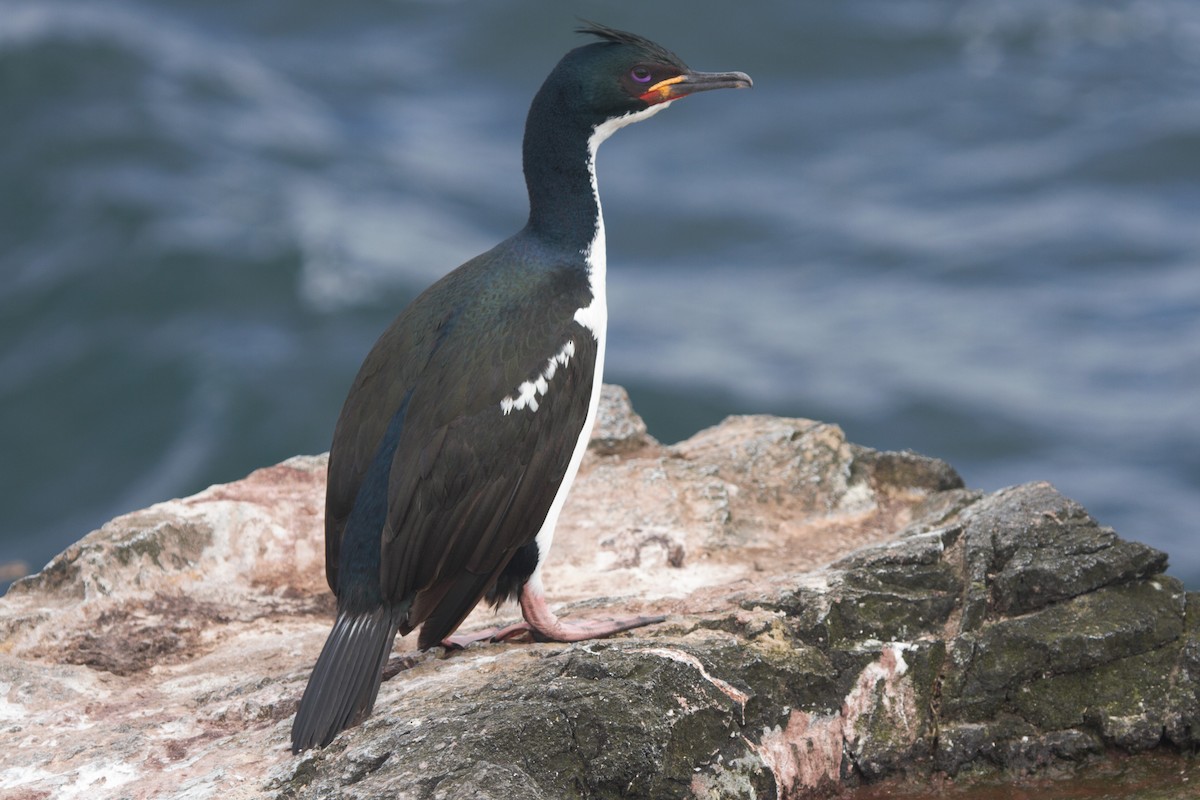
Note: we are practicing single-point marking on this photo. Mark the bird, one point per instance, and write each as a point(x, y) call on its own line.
point(467, 422)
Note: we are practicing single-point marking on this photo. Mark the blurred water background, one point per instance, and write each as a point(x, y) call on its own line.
point(969, 229)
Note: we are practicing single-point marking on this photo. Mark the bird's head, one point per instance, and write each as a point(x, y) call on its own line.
point(623, 74)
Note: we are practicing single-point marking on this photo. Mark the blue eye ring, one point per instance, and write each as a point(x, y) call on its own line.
point(641, 74)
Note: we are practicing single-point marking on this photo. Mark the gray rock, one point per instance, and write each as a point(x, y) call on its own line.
point(836, 616)
point(618, 428)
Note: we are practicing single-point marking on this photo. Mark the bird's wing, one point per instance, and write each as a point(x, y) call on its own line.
point(432, 485)
point(376, 403)
point(467, 492)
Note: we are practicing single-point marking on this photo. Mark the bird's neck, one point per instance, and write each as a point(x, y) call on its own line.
point(564, 203)
point(560, 173)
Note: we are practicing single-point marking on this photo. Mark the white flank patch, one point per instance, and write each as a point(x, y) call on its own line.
point(528, 392)
point(594, 317)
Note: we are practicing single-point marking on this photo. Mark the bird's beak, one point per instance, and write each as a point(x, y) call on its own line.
point(692, 82)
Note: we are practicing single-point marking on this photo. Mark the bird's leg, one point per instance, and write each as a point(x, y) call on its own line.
point(542, 623)
point(460, 641)
point(546, 627)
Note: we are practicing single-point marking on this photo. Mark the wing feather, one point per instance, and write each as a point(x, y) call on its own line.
point(511, 467)
point(432, 485)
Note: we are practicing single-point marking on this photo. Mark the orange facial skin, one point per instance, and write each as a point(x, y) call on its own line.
point(662, 91)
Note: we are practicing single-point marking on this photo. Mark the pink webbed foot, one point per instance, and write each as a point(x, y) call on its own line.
point(544, 626)
point(460, 641)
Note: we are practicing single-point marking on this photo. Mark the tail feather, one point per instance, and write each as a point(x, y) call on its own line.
point(345, 681)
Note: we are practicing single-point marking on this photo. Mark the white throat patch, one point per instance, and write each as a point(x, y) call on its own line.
point(610, 126)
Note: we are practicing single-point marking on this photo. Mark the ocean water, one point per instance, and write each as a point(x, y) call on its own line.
point(967, 229)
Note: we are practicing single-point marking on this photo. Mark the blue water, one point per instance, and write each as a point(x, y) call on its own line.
point(967, 229)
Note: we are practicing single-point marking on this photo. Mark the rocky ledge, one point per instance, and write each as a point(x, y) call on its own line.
point(837, 616)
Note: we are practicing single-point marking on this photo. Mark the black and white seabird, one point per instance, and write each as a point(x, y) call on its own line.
point(467, 422)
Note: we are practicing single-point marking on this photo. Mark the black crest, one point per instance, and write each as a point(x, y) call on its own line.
point(653, 50)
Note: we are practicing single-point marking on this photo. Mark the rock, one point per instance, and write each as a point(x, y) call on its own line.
point(618, 429)
point(836, 616)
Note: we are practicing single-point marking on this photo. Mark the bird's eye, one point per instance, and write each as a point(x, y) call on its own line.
point(640, 74)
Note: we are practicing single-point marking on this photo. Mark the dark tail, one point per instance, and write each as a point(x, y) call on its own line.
point(345, 681)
